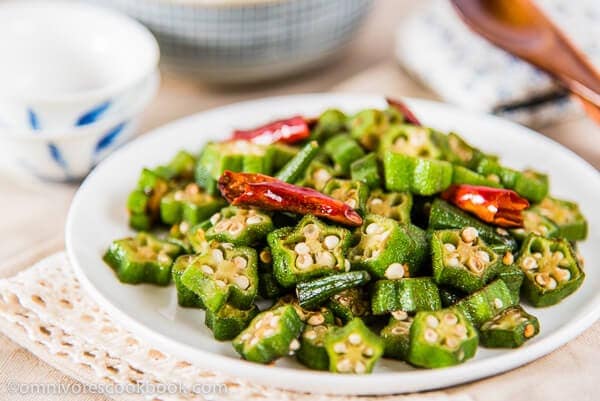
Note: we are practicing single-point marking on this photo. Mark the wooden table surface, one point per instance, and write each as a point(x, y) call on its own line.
point(36, 230)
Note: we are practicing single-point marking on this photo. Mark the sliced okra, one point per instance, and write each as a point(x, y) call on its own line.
point(182, 166)
point(457, 151)
point(190, 204)
point(441, 338)
point(296, 167)
point(229, 321)
point(534, 222)
point(492, 170)
point(410, 140)
point(239, 226)
point(551, 269)
point(509, 329)
point(484, 304)
point(367, 127)
point(196, 237)
point(571, 223)
point(224, 274)
point(512, 276)
point(407, 294)
point(316, 176)
point(366, 169)
point(395, 205)
point(351, 303)
point(143, 203)
point(315, 292)
point(419, 176)
point(352, 193)
point(185, 297)
point(312, 249)
point(343, 150)
point(462, 175)
point(461, 259)
point(532, 185)
point(388, 249)
point(142, 259)
point(312, 352)
point(330, 123)
point(444, 216)
point(353, 348)
point(396, 337)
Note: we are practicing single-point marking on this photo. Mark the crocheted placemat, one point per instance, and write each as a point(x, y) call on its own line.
point(44, 310)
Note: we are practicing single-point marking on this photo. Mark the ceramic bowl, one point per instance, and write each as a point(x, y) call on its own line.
point(67, 64)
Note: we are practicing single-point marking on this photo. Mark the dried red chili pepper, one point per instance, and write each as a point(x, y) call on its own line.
point(404, 110)
point(501, 207)
point(261, 191)
point(289, 130)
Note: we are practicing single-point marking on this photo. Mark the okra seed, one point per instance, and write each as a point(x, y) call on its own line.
point(501, 231)
point(245, 336)
point(331, 241)
point(259, 324)
point(529, 263)
point(316, 319)
point(206, 269)
point(373, 228)
point(311, 231)
point(398, 330)
point(394, 271)
point(508, 258)
point(475, 264)
point(184, 227)
point(235, 228)
point(242, 282)
point(552, 284)
point(294, 345)
point(301, 248)
point(351, 202)
point(376, 201)
point(558, 255)
point(368, 352)
point(340, 348)
point(469, 234)
point(269, 332)
point(215, 218)
point(360, 367)
point(310, 334)
point(541, 279)
point(304, 261)
point(344, 365)
point(450, 319)
point(562, 274)
point(451, 342)
point(274, 321)
point(265, 256)
point(163, 258)
point(220, 283)
point(498, 303)
point(537, 255)
point(226, 245)
point(347, 265)
point(217, 256)
point(529, 331)
point(269, 315)
point(222, 225)
point(483, 256)
point(240, 262)
point(325, 258)
point(399, 315)
point(254, 341)
point(432, 321)
point(179, 196)
point(430, 336)
point(192, 189)
point(453, 262)
point(460, 330)
point(449, 247)
point(254, 220)
point(354, 338)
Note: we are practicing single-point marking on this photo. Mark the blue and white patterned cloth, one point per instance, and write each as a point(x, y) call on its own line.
point(437, 48)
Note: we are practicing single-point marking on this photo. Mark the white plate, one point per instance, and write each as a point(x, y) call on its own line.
point(98, 216)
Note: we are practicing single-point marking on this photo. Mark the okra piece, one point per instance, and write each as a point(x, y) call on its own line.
point(316, 176)
point(571, 223)
point(461, 259)
point(462, 175)
point(441, 338)
point(315, 292)
point(367, 127)
point(351, 303)
point(297, 166)
point(366, 169)
point(178, 235)
point(352, 193)
point(396, 337)
point(484, 304)
point(330, 123)
point(312, 353)
point(189, 204)
point(343, 150)
point(512, 276)
point(314, 317)
point(389, 250)
point(407, 294)
point(395, 205)
point(224, 274)
point(271, 335)
point(353, 348)
point(268, 287)
point(552, 271)
point(457, 151)
point(534, 222)
point(446, 216)
point(142, 259)
point(509, 329)
point(419, 176)
point(492, 170)
point(409, 140)
point(229, 321)
point(312, 249)
point(532, 185)
point(239, 226)
point(182, 166)
point(143, 204)
point(185, 297)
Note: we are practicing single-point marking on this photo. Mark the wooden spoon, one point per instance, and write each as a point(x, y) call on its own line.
point(520, 28)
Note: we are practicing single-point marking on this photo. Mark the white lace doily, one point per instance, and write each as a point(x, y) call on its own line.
point(44, 309)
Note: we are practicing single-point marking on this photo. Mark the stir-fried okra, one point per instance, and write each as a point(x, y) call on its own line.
point(369, 234)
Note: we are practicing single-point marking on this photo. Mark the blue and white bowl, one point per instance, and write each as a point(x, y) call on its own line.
point(233, 41)
point(67, 64)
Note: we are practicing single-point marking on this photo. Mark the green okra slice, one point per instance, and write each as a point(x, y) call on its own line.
point(297, 166)
point(315, 292)
point(492, 170)
point(366, 169)
point(224, 274)
point(441, 338)
point(396, 337)
point(395, 205)
point(552, 271)
point(312, 249)
point(457, 151)
point(367, 127)
point(409, 140)
point(509, 329)
point(271, 335)
point(239, 226)
point(186, 298)
point(182, 166)
point(446, 216)
point(350, 303)
point(316, 176)
point(406, 294)
point(352, 193)
point(387, 249)
point(268, 287)
point(142, 259)
point(312, 352)
point(484, 304)
point(532, 185)
point(190, 204)
point(534, 222)
point(314, 317)
point(353, 348)
point(330, 123)
point(461, 259)
point(512, 276)
point(571, 223)
point(462, 175)
point(196, 237)
point(229, 321)
point(143, 204)
point(343, 150)
point(419, 176)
